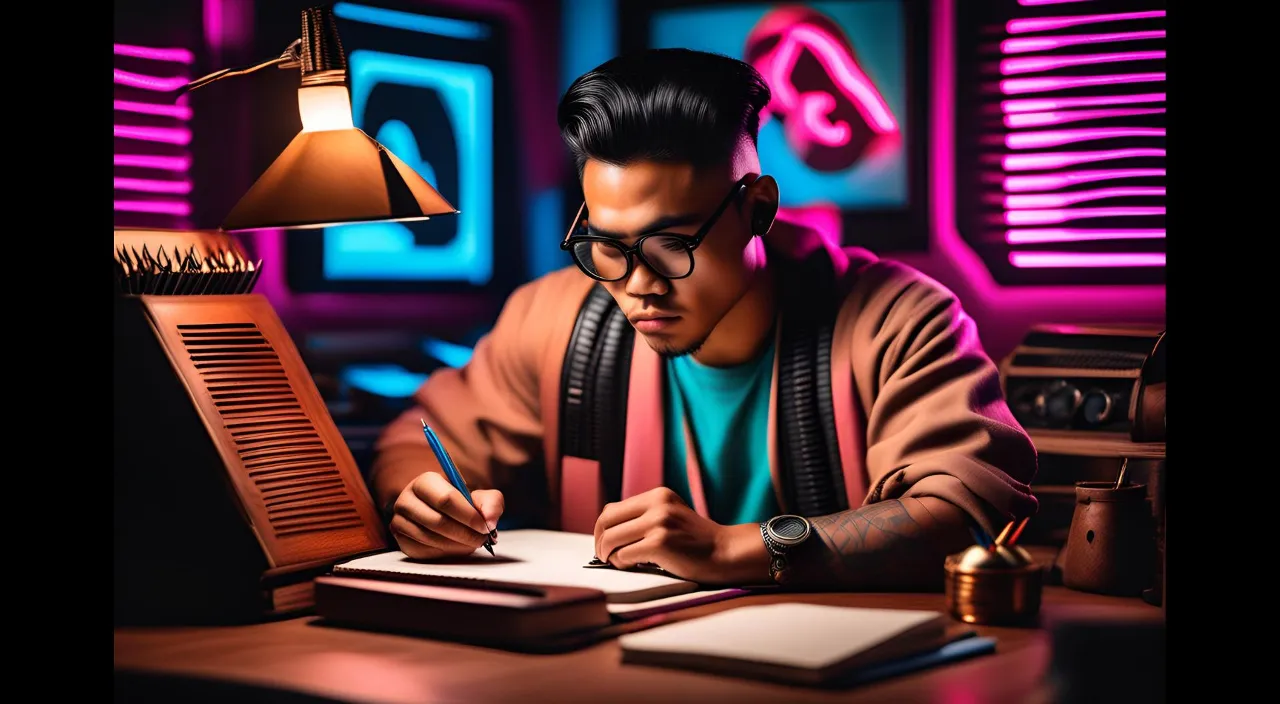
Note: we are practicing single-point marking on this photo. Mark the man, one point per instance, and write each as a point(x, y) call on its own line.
point(678, 227)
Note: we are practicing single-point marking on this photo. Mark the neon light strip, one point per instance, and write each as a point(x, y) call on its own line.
point(1026, 3)
point(1022, 45)
point(1031, 64)
point(153, 161)
point(1056, 216)
point(1051, 182)
point(1014, 86)
point(1042, 104)
point(1061, 200)
point(1051, 260)
point(846, 74)
point(1048, 24)
point(1068, 235)
point(181, 112)
point(439, 26)
point(1058, 117)
point(1055, 138)
point(138, 80)
point(168, 135)
point(147, 185)
point(1051, 160)
point(163, 207)
point(177, 56)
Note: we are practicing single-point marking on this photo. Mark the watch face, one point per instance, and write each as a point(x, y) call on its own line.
point(789, 530)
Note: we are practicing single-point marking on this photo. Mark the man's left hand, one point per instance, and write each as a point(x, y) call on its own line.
point(658, 528)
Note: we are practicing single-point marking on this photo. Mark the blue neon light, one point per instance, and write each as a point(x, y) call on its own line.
point(439, 26)
point(387, 250)
point(449, 353)
point(386, 380)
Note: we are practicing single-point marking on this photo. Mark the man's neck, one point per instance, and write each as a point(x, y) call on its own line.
point(745, 329)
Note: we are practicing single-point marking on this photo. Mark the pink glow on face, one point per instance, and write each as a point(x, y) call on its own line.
point(162, 207)
point(1022, 45)
point(1032, 64)
point(814, 107)
point(181, 112)
point(1055, 138)
point(1061, 200)
point(153, 161)
point(147, 185)
point(1058, 117)
point(155, 83)
point(1057, 160)
point(168, 135)
point(1062, 260)
point(1014, 86)
point(177, 56)
point(1042, 104)
point(1045, 235)
point(1048, 24)
point(1057, 216)
point(1052, 182)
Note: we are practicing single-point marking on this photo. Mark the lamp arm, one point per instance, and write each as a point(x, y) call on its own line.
point(291, 57)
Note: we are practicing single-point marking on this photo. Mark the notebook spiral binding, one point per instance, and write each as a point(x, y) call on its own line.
point(220, 272)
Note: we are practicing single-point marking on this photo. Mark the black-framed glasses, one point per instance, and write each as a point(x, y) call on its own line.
point(666, 254)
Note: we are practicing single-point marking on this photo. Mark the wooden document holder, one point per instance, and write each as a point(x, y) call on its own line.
point(233, 487)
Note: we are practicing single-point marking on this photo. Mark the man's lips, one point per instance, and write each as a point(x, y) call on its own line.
point(653, 322)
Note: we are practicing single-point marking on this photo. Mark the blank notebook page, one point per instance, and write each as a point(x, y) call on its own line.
point(530, 557)
point(806, 636)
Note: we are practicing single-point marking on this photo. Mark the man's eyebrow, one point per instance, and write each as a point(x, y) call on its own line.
point(662, 223)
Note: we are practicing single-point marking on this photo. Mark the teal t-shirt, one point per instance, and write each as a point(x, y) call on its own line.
point(728, 409)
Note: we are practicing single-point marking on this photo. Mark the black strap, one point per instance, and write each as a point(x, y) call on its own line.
point(594, 383)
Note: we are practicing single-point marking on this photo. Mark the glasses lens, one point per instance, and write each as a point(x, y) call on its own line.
point(604, 260)
point(669, 256)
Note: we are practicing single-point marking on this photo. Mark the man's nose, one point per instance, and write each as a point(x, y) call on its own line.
point(644, 282)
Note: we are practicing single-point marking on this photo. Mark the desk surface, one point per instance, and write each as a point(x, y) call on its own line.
point(300, 657)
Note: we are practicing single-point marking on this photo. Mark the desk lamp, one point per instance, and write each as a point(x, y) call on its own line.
point(233, 485)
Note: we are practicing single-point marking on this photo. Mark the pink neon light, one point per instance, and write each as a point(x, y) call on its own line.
point(152, 161)
point(1051, 182)
point(1022, 45)
point(147, 185)
point(814, 107)
point(1059, 117)
point(168, 135)
point(177, 56)
point(1056, 216)
point(1042, 104)
point(181, 112)
point(1031, 64)
point(156, 83)
point(1025, 3)
point(164, 207)
point(1013, 86)
point(1048, 24)
point(1061, 200)
point(1054, 138)
point(1057, 160)
point(1069, 235)
point(1061, 260)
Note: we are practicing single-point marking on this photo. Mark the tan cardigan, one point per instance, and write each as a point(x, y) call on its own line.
point(918, 405)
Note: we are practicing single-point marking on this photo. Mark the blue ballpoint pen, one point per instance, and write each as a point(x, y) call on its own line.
point(455, 478)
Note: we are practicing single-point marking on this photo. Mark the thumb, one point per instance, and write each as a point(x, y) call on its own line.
point(491, 504)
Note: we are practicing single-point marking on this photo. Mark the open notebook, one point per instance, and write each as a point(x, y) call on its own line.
point(789, 642)
point(539, 557)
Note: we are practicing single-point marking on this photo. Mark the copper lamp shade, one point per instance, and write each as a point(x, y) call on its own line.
point(332, 172)
point(335, 176)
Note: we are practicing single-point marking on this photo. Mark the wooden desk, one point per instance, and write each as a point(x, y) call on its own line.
point(299, 660)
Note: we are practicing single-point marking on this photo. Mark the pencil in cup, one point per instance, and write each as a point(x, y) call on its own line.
point(455, 478)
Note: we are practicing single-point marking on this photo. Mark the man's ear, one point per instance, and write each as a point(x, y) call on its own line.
point(763, 198)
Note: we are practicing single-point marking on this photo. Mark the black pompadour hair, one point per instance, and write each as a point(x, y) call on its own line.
point(664, 105)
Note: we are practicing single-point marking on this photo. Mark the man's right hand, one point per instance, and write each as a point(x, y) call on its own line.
point(432, 519)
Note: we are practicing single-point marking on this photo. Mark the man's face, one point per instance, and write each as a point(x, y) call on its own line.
point(675, 316)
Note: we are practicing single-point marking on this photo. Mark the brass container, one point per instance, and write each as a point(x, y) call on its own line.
point(997, 587)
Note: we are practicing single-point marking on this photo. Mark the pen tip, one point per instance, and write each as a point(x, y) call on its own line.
point(424, 422)
point(490, 549)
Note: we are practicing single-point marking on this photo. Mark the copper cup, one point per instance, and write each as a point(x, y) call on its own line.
point(1111, 544)
point(998, 587)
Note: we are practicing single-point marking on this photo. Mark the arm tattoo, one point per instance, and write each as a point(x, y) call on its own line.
point(887, 545)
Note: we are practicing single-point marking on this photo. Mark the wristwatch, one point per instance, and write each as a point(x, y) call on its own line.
point(781, 535)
